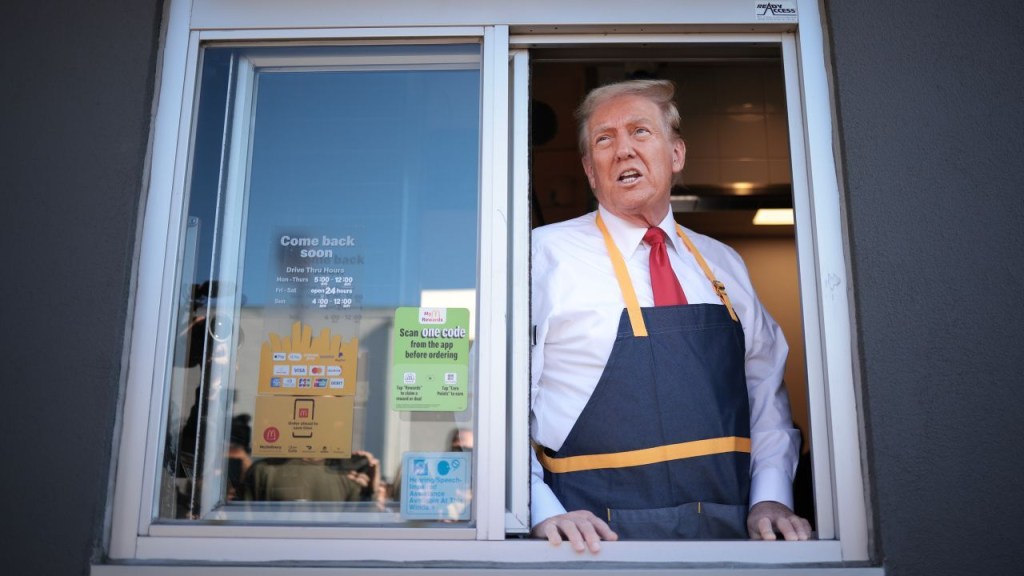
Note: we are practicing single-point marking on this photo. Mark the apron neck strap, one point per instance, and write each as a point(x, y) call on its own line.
point(636, 319)
point(715, 283)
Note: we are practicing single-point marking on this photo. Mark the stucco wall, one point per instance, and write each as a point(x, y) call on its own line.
point(932, 135)
point(75, 99)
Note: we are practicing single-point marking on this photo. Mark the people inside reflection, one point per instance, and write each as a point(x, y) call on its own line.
point(205, 346)
point(658, 407)
point(239, 454)
point(355, 479)
point(299, 479)
point(363, 468)
point(207, 349)
point(461, 440)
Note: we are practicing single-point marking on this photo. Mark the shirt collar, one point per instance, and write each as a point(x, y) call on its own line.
point(629, 237)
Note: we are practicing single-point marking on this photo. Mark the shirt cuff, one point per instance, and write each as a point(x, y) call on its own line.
point(771, 484)
point(543, 503)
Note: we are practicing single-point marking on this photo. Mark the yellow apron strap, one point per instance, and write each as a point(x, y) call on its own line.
point(625, 284)
point(636, 318)
point(718, 286)
point(643, 457)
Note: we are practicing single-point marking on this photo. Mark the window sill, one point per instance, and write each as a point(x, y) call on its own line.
point(249, 555)
point(477, 568)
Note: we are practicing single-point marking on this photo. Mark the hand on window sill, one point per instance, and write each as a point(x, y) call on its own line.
point(768, 517)
point(581, 528)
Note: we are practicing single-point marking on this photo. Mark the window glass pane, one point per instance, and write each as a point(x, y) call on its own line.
point(323, 367)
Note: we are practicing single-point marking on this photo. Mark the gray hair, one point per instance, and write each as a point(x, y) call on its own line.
point(661, 92)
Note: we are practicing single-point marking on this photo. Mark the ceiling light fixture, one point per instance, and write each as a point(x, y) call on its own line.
point(742, 188)
point(774, 217)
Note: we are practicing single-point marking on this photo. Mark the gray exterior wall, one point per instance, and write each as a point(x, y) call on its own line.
point(932, 136)
point(76, 89)
point(930, 98)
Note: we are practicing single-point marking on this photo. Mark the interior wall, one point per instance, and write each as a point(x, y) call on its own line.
point(931, 131)
point(773, 271)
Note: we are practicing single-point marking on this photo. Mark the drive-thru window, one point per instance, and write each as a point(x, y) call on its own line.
point(329, 358)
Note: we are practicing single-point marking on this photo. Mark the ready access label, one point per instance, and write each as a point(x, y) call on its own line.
point(430, 368)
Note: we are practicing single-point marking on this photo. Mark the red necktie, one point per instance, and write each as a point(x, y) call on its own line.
point(667, 291)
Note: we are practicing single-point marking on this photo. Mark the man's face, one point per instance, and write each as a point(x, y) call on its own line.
point(631, 159)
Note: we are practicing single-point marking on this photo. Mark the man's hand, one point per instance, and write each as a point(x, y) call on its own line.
point(768, 517)
point(581, 528)
point(368, 480)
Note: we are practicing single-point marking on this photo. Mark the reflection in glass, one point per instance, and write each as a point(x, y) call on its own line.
point(328, 187)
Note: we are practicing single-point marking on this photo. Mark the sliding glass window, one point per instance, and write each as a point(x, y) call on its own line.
point(322, 363)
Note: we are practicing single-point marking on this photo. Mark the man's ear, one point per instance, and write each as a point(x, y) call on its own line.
point(588, 167)
point(678, 155)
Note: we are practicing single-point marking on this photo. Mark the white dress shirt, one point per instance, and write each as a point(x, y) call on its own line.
point(576, 306)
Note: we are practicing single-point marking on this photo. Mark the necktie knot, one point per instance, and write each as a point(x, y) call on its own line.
point(654, 235)
point(667, 291)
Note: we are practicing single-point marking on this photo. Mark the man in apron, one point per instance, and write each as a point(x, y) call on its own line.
point(658, 409)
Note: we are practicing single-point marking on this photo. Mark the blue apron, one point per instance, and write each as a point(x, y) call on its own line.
point(662, 448)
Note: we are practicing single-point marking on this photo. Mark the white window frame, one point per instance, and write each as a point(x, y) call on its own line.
point(232, 244)
point(507, 32)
